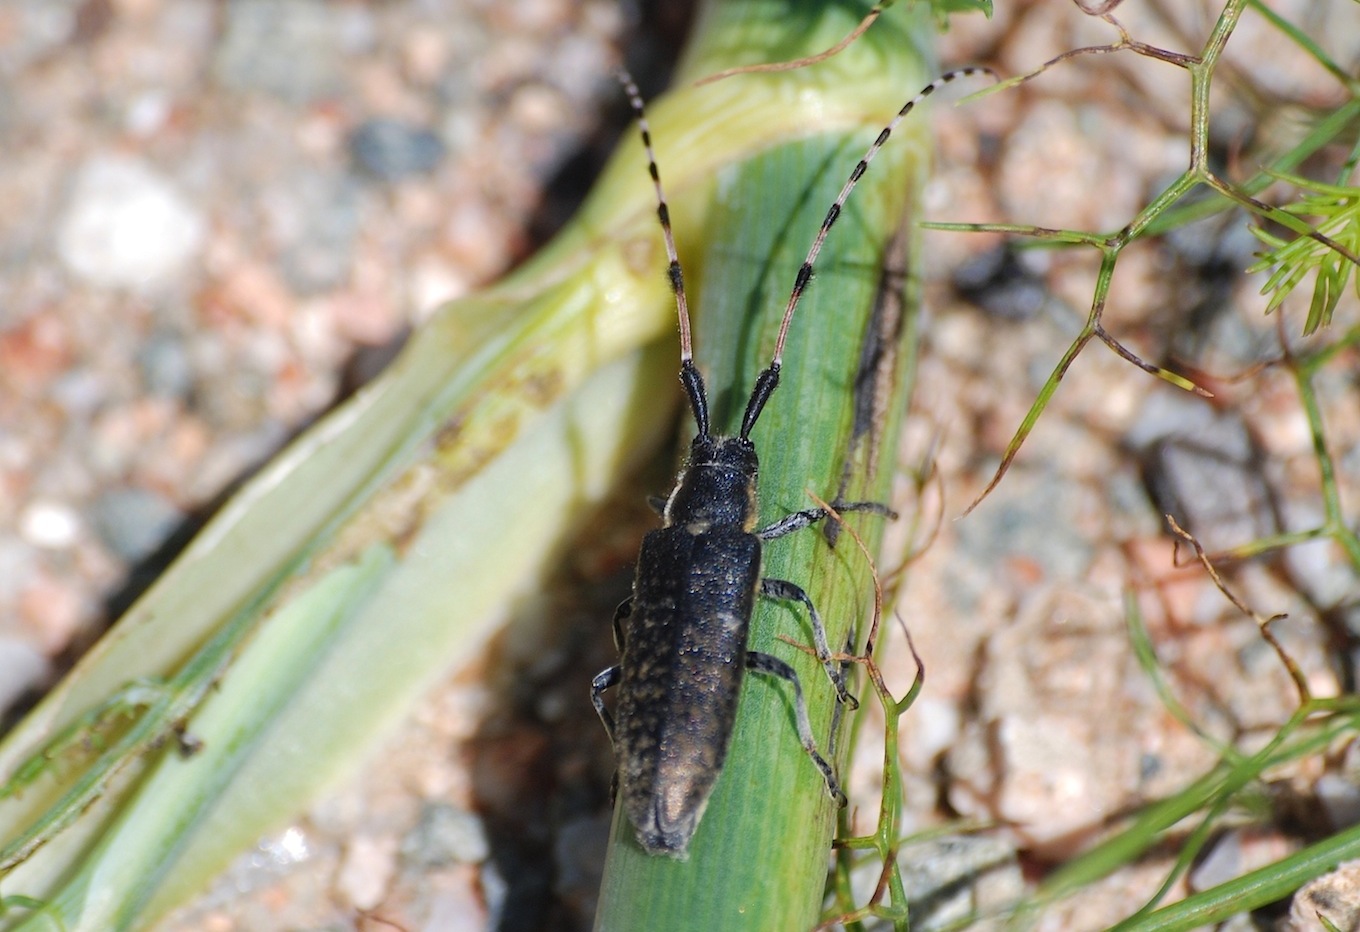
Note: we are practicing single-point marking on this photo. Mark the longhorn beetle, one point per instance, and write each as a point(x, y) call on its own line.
point(683, 632)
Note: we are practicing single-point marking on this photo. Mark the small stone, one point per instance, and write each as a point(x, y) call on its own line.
point(948, 879)
point(446, 835)
point(579, 853)
point(148, 112)
point(1003, 283)
point(1045, 754)
point(367, 870)
point(280, 852)
point(495, 890)
point(80, 392)
point(315, 218)
point(455, 904)
point(126, 226)
point(1222, 863)
point(35, 352)
point(1335, 896)
point(935, 727)
point(133, 522)
point(50, 610)
point(1030, 527)
point(50, 524)
point(17, 562)
point(22, 670)
point(287, 48)
point(1204, 468)
point(166, 368)
point(40, 28)
point(1236, 852)
point(391, 150)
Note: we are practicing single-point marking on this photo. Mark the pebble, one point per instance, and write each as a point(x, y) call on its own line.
point(1339, 799)
point(495, 890)
point(133, 522)
point(80, 393)
point(1003, 282)
point(286, 48)
point(1236, 852)
point(1204, 468)
point(190, 249)
point(18, 559)
point(369, 864)
point(34, 353)
point(1031, 524)
point(281, 851)
point(391, 150)
point(1335, 896)
point(126, 226)
point(446, 835)
point(1047, 752)
point(947, 880)
point(314, 216)
point(49, 524)
point(579, 854)
point(148, 113)
point(460, 909)
point(49, 612)
point(22, 670)
point(167, 370)
point(38, 27)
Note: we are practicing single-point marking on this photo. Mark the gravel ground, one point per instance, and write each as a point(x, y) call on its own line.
point(202, 248)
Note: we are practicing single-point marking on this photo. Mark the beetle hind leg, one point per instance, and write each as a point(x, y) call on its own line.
point(764, 663)
point(603, 680)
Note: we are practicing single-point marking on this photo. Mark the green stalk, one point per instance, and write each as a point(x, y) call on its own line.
point(759, 858)
point(386, 545)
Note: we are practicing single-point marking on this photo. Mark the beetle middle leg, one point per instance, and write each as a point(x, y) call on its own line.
point(611, 676)
point(783, 589)
point(765, 663)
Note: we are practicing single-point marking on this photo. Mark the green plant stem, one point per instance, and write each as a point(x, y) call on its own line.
point(760, 856)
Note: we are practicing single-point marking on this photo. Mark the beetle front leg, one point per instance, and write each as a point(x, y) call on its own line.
point(764, 663)
point(621, 615)
point(783, 589)
point(603, 680)
point(810, 516)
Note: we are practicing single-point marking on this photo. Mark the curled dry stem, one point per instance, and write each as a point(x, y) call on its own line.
point(1263, 623)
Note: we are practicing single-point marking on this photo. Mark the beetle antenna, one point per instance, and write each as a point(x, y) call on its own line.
point(805, 272)
point(689, 375)
point(769, 378)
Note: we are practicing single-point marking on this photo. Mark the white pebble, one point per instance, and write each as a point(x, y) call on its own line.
point(148, 113)
point(45, 523)
point(21, 669)
point(367, 869)
point(126, 226)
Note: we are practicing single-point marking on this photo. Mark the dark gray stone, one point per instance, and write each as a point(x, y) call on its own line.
point(132, 522)
point(391, 150)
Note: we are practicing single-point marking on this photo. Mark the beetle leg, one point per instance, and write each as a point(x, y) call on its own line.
point(602, 681)
point(764, 663)
point(620, 616)
point(798, 520)
point(783, 589)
